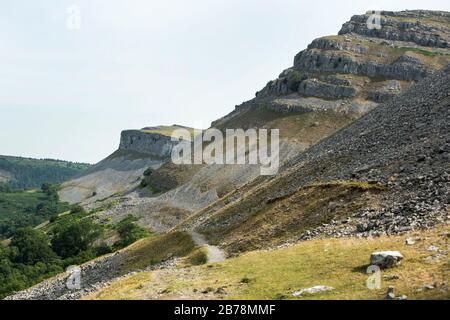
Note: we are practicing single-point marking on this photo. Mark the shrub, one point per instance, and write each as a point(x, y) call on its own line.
point(148, 172)
point(198, 257)
point(143, 183)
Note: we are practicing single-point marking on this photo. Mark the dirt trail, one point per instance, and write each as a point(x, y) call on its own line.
point(215, 254)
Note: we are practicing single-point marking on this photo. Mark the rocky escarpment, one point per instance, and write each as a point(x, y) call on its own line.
point(354, 71)
point(425, 28)
point(121, 171)
point(154, 144)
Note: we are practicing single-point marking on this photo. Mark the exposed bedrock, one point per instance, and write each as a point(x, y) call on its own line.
point(425, 28)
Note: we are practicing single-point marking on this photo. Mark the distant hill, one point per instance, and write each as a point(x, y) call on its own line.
point(24, 173)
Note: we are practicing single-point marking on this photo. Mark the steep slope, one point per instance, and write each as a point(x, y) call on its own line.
point(20, 172)
point(385, 173)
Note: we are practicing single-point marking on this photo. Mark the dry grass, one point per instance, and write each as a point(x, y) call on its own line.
point(282, 218)
point(340, 263)
point(167, 130)
point(197, 257)
point(156, 249)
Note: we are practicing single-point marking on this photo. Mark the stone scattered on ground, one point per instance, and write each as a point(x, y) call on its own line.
point(390, 295)
point(312, 290)
point(390, 277)
point(433, 249)
point(428, 287)
point(410, 241)
point(386, 259)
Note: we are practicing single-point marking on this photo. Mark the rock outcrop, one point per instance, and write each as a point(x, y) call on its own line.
point(121, 171)
point(350, 72)
point(425, 28)
point(154, 144)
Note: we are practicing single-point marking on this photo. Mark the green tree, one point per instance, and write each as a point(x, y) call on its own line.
point(73, 239)
point(76, 208)
point(31, 246)
point(129, 232)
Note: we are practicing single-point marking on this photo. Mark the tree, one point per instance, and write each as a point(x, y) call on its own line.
point(31, 246)
point(129, 232)
point(76, 208)
point(73, 239)
point(51, 191)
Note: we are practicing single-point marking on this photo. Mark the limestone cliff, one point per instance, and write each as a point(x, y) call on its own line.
point(122, 170)
point(354, 71)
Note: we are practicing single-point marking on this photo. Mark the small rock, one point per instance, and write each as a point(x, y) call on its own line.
point(432, 248)
point(390, 295)
point(410, 241)
point(391, 277)
point(402, 297)
point(208, 290)
point(386, 259)
point(220, 290)
point(428, 287)
point(312, 290)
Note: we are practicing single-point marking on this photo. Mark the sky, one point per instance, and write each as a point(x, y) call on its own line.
point(69, 86)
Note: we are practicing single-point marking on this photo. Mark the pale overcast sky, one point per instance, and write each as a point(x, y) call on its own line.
point(134, 63)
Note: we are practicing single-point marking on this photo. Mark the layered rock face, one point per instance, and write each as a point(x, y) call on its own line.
point(425, 28)
point(149, 143)
point(360, 67)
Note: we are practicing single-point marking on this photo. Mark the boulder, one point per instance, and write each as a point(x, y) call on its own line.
point(386, 259)
point(312, 290)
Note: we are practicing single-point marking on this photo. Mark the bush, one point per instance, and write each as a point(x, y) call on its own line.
point(198, 257)
point(148, 172)
point(143, 183)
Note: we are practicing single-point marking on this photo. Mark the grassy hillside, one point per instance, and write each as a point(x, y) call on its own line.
point(276, 274)
point(26, 173)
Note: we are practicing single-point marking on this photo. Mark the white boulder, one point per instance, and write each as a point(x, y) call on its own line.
point(312, 290)
point(386, 259)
